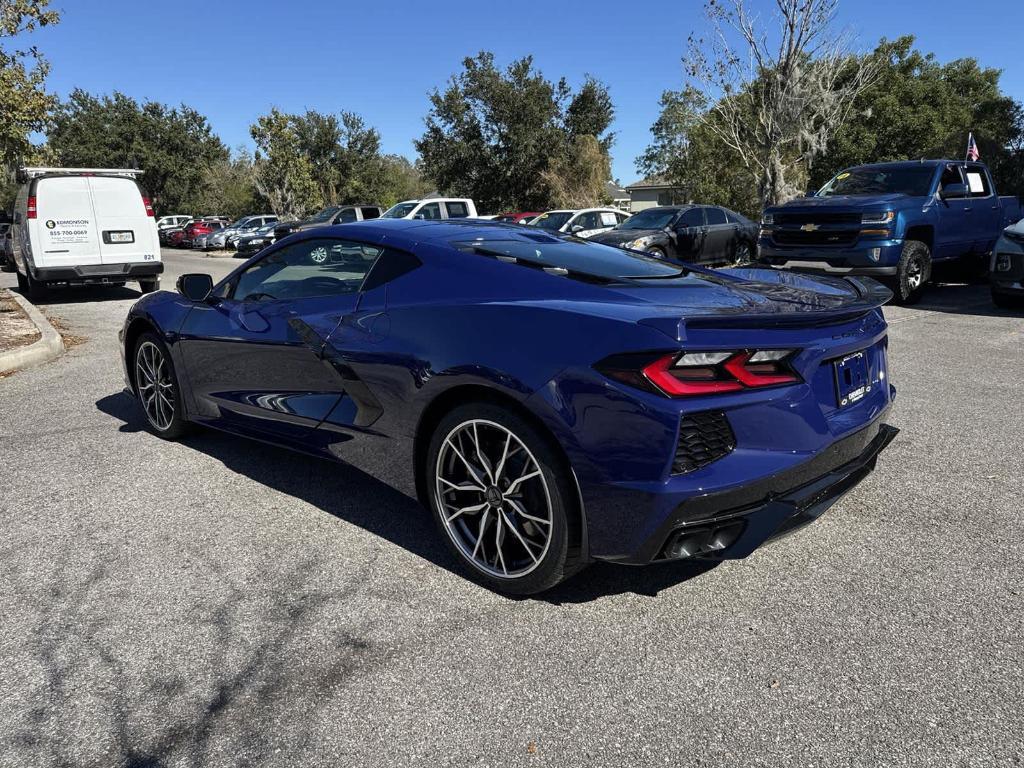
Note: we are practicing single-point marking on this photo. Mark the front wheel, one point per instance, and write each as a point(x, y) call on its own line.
point(742, 254)
point(156, 385)
point(912, 272)
point(502, 499)
point(34, 289)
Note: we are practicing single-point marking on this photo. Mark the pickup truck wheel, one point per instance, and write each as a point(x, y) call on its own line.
point(35, 290)
point(912, 272)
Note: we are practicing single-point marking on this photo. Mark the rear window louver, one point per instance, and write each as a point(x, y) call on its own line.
point(583, 277)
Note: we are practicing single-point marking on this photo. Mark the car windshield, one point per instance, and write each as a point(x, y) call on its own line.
point(553, 220)
point(652, 218)
point(914, 181)
point(326, 213)
point(399, 211)
point(575, 255)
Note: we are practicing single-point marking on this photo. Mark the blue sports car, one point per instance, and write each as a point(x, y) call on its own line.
point(552, 401)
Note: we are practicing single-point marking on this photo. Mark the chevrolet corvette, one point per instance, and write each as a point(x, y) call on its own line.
point(550, 400)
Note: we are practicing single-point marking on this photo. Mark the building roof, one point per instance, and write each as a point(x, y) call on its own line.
point(614, 191)
point(653, 182)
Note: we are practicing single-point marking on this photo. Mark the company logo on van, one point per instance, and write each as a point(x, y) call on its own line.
point(51, 224)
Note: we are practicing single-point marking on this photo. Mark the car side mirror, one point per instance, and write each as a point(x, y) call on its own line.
point(195, 286)
point(953, 191)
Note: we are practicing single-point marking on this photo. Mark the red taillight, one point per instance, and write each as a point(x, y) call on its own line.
point(30, 209)
point(149, 206)
point(708, 373)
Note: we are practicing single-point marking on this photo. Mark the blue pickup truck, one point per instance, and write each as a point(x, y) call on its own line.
point(891, 221)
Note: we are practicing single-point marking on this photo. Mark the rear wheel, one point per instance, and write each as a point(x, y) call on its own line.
point(502, 500)
point(22, 284)
point(34, 289)
point(8, 264)
point(912, 272)
point(148, 286)
point(156, 385)
point(742, 253)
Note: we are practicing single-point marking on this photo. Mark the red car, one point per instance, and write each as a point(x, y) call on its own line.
point(517, 218)
point(174, 237)
point(193, 229)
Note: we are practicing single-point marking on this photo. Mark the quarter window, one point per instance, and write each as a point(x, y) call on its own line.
point(318, 267)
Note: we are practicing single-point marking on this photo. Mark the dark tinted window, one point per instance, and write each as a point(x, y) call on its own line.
point(591, 220)
point(390, 265)
point(553, 220)
point(693, 217)
point(881, 180)
point(652, 218)
point(370, 213)
point(430, 211)
point(950, 175)
point(457, 210)
point(575, 255)
point(734, 218)
point(347, 215)
point(319, 267)
point(715, 216)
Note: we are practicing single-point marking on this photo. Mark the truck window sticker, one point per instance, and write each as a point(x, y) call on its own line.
point(976, 183)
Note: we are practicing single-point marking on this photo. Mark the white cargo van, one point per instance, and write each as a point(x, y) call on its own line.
point(76, 226)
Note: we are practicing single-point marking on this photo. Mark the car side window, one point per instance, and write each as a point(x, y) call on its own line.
point(977, 181)
point(316, 267)
point(430, 212)
point(692, 217)
point(456, 210)
point(589, 220)
point(370, 213)
point(732, 217)
point(950, 175)
point(715, 216)
point(345, 215)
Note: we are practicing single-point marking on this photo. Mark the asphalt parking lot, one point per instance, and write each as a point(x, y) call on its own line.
point(220, 602)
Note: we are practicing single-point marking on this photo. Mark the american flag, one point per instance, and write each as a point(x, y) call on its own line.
point(972, 148)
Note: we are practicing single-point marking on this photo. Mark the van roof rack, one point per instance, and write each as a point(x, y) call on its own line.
point(35, 172)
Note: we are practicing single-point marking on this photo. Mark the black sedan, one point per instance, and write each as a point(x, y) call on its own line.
point(257, 241)
point(692, 233)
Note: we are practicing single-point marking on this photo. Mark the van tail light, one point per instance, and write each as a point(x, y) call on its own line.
point(692, 374)
point(30, 208)
point(149, 206)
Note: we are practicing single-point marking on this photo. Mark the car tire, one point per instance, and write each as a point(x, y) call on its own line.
point(22, 284)
point(1003, 301)
point(34, 290)
point(742, 254)
point(523, 507)
point(154, 377)
point(8, 265)
point(149, 286)
point(913, 272)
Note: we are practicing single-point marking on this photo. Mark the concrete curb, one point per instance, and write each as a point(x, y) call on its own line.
point(49, 346)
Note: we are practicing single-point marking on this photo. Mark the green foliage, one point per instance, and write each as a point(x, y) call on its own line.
point(915, 107)
point(24, 102)
point(228, 187)
point(173, 145)
point(399, 180)
point(284, 173)
point(491, 135)
point(918, 107)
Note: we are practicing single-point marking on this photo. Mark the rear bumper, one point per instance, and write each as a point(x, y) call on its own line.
point(98, 273)
point(732, 524)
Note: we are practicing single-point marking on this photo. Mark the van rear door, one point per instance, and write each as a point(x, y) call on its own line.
point(66, 223)
point(126, 233)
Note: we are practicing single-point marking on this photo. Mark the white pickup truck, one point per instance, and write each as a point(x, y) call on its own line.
point(432, 209)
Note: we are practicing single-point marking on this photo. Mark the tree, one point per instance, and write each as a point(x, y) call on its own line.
point(779, 101)
point(492, 134)
point(284, 174)
point(399, 180)
point(173, 145)
point(24, 102)
point(919, 107)
point(229, 188)
point(577, 177)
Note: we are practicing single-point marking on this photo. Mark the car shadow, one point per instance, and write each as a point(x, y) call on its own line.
point(84, 294)
point(351, 495)
point(961, 298)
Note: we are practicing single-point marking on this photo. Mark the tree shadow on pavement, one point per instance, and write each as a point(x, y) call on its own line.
point(958, 298)
point(352, 495)
point(241, 660)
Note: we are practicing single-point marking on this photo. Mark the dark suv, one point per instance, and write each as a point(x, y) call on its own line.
point(332, 214)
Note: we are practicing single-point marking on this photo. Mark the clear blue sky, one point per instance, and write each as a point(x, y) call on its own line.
point(234, 60)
